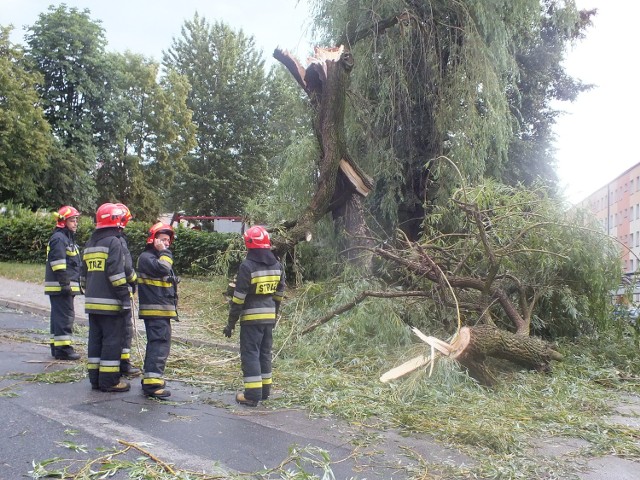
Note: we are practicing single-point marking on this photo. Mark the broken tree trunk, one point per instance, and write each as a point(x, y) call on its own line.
point(474, 344)
point(472, 347)
point(341, 182)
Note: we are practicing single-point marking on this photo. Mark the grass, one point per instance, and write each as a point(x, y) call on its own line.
point(26, 272)
point(497, 428)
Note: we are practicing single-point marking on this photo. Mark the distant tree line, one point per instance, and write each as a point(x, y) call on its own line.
point(210, 131)
point(80, 125)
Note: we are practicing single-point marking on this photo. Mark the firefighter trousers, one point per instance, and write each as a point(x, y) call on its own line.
point(256, 342)
point(104, 349)
point(158, 347)
point(127, 338)
point(61, 324)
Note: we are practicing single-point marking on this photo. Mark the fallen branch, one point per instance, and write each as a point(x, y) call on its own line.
point(356, 301)
point(407, 367)
point(167, 468)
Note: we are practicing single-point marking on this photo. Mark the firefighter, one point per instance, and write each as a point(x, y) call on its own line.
point(61, 282)
point(126, 367)
point(107, 298)
point(158, 296)
point(259, 289)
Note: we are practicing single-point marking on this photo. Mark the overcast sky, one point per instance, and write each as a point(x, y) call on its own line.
point(148, 26)
point(595, 138)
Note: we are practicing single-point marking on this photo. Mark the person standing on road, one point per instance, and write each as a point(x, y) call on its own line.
point(259, 289)
point(126, 367)
point(61, 282)
point(107, 299)
point(158, 295)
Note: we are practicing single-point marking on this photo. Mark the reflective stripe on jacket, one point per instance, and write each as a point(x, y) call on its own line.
point(260, 286)
point(156, 284)
point(103, 259)
point(63, 263)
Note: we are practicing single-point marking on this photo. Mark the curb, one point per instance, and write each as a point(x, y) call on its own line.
point(44, 312)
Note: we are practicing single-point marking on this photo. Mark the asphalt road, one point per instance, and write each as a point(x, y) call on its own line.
point(195, 431)
point(207, 432)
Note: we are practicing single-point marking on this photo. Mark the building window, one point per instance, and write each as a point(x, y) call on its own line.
point(637, 239)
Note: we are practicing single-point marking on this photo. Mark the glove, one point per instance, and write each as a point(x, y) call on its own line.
point(134, 288)
point(65, 290)
point(228, 330)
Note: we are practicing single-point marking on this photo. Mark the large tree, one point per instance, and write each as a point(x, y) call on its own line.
point(67, 47)
point(468, 80)
point(436, 108)
point(145, 132)
point(25, 138)
point(230, 109)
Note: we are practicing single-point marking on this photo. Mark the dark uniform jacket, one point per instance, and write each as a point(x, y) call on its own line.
point(129, 271)
point(63, 263)
point(260, 285)
point(157, 284)
point(103, 270)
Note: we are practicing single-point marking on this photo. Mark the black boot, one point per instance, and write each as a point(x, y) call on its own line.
point(66, 354)
point(160, 394)
point(266, 391)
point(119, 387)
point(240, 398)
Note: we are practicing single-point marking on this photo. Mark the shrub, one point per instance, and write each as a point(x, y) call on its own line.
point(24, 236)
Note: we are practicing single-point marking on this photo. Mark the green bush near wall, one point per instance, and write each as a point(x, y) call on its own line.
point(24, 236)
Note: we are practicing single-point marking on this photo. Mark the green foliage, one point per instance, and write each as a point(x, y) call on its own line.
point(67, 48)
point(541, 48)
point(147, 132)
point(469, 80)
point(231, 112)
point(558, 262)
point(204, 253)
point(25, 234)
point(295, 185)
point(25, 139)
point(246, 121)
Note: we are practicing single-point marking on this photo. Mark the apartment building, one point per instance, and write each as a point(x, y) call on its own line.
point(617, 207)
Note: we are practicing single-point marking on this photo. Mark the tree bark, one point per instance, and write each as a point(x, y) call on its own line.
point(474, 344)
point(341, 183)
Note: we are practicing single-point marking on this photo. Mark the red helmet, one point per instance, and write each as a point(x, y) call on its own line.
point(64, 214)
point(109, 215)
point(160, 228)
point(257, 237)
point(127, 214)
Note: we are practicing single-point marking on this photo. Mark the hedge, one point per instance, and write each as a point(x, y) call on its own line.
point(24, 236)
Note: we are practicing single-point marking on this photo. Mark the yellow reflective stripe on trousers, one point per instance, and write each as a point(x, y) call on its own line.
point(158, 313)
point(258, 316)
point(102, 307)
